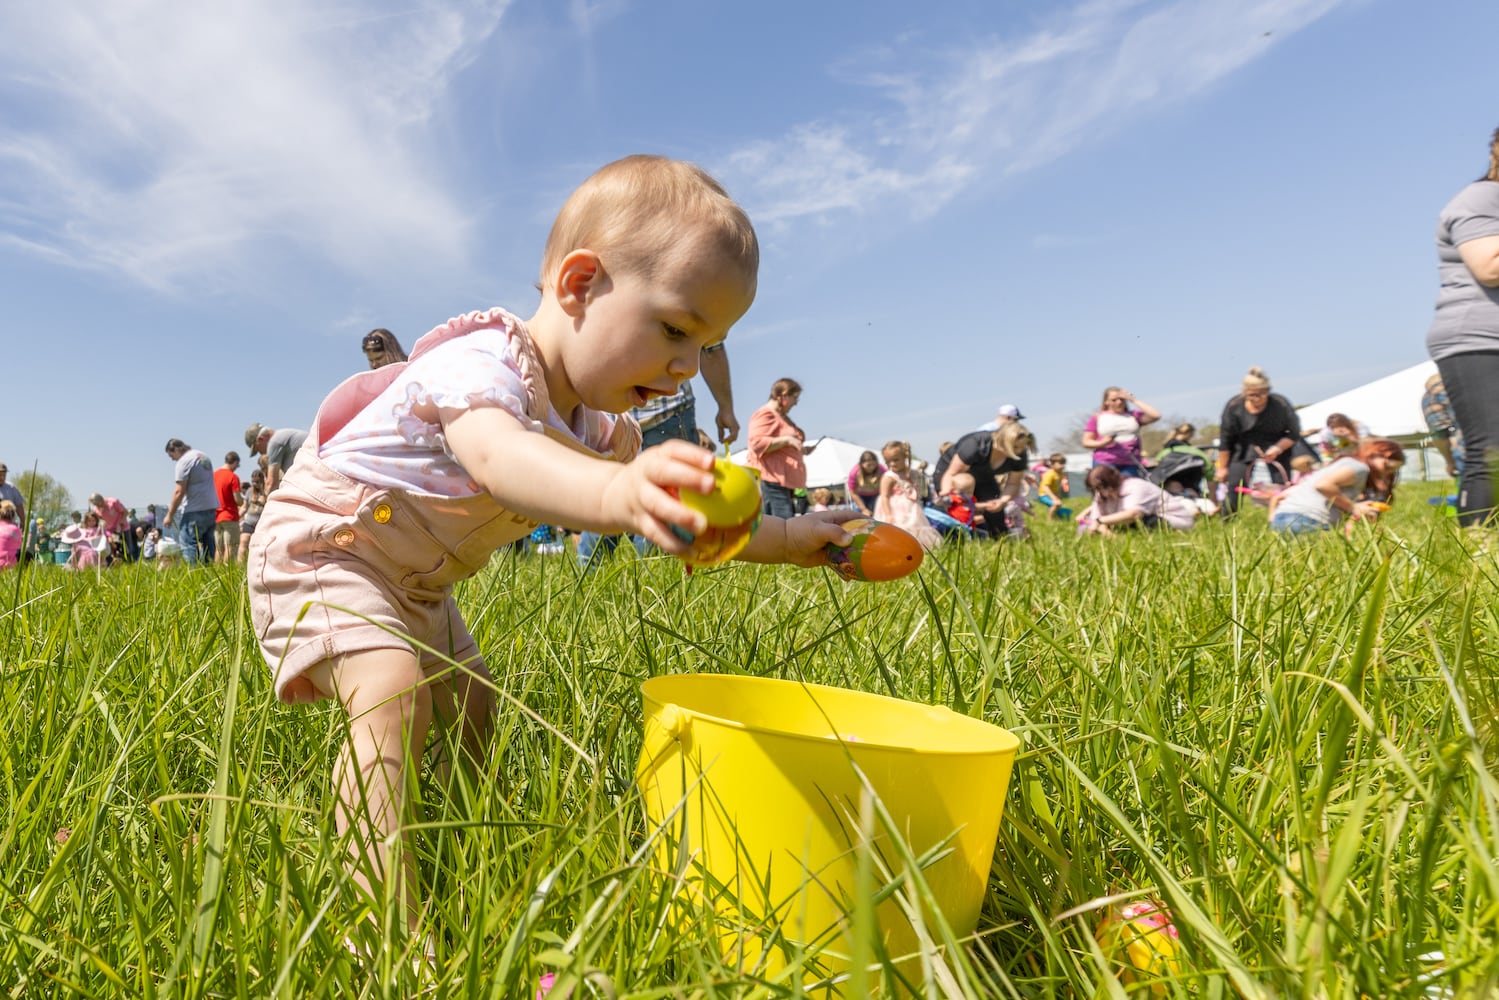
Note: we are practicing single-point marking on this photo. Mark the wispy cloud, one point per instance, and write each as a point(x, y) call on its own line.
point(171, 142)
point(948, 118)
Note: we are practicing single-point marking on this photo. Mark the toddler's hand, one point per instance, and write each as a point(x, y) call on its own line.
point(638, 502)
point(801, 540)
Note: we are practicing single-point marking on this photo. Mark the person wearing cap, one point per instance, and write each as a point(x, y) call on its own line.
point(9, 492)
point(1009, 413)
point(279, 448)
point(194, 493)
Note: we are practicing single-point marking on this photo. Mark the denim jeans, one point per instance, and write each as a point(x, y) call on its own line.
point(196, 536)
point(1297, 524)
point(778, 500)
point(1471, 380)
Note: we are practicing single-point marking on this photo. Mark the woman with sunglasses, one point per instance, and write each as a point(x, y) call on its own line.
point(1113, 433)
point(381, 348)
point(1257, 426)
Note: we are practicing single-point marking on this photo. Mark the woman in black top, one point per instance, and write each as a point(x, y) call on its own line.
point(997, 462)
point(1257, 424)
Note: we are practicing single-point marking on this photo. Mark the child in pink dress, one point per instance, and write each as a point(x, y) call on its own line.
point(414, 473)
point(899, 503)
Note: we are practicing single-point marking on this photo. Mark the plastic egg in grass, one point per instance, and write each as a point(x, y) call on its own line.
point(1142, 942)
point(879, 552)
point(732, 510)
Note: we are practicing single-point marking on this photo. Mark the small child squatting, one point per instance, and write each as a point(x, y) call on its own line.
point(414, 473)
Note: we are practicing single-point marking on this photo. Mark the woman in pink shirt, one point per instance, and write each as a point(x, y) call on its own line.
point(10, 534)
point(115, 518)
point(776, 447)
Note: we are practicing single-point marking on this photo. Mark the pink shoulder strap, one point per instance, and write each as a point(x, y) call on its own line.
point(358, 391)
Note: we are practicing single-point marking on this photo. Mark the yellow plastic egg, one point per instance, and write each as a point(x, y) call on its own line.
point(1142, 942)
point(735, 497)
point(732, 510)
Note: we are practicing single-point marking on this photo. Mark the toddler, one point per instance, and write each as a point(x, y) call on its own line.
point(1301, 467)
point(1053, 488)
point(415, 472)
point(822, 499)
point(899, 502)
point(960, 503)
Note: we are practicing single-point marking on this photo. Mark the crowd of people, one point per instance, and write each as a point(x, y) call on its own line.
point(988, 481)
point(210, 519)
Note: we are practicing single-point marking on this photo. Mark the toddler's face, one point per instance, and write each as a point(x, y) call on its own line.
point(639, 337)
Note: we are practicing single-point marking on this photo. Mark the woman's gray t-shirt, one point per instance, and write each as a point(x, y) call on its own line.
point(1304, 497)
point(1467, 317)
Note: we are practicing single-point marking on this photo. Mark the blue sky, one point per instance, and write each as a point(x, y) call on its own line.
point(203, 207)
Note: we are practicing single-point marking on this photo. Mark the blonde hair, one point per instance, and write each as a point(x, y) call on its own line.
point(1256, 378)
point(1012, 440)
point(8, 511)
point(822, 495)
point(635, 211)
point(964, 483)
point(901, 448)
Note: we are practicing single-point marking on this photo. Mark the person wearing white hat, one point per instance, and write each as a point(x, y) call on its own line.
point(1009, 413)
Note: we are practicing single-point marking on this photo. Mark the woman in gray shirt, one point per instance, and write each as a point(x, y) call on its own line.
point(1464, 336)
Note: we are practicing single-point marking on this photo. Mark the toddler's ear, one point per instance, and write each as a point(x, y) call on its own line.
point(580, 276)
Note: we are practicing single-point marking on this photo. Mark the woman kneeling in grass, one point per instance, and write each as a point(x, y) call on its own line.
point(1121, 502)
point(1317, 500)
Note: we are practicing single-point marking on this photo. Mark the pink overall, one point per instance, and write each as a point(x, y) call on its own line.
point(337, 566)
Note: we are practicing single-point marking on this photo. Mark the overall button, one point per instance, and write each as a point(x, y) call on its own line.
point(343, 536)
point(382, 513)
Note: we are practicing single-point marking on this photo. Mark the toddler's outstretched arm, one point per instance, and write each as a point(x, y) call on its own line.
point(800, 540)
point(544, 480)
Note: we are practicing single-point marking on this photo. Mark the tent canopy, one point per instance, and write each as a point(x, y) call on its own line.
point(828, 464)
point(1390, 406)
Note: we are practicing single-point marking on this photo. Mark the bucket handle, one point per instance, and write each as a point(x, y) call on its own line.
point(671, 726)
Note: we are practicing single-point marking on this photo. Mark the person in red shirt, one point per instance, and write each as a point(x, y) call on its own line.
point(227, 485)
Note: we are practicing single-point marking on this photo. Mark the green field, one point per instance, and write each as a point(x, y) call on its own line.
point(1291, 744)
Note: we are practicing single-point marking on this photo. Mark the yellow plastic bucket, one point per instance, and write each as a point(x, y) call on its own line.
point(751, 785)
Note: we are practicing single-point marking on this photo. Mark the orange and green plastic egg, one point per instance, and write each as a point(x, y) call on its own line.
point(1143, 944)
point(879, 552)
point(732, 510)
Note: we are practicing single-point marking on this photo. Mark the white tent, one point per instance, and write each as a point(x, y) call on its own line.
point(1390, 406)
point(828, 464)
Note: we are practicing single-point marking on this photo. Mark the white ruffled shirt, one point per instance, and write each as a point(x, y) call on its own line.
point(385, 445)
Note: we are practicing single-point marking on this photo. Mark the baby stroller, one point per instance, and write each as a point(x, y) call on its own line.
point(1183, 469)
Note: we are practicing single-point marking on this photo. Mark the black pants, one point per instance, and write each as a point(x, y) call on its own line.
point(1472, 382)
point(1238, 475)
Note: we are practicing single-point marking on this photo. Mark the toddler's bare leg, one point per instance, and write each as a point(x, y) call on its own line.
point(390, 712)
point(463, 696)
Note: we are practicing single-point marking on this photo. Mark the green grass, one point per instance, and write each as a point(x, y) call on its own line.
point(1291, 745)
